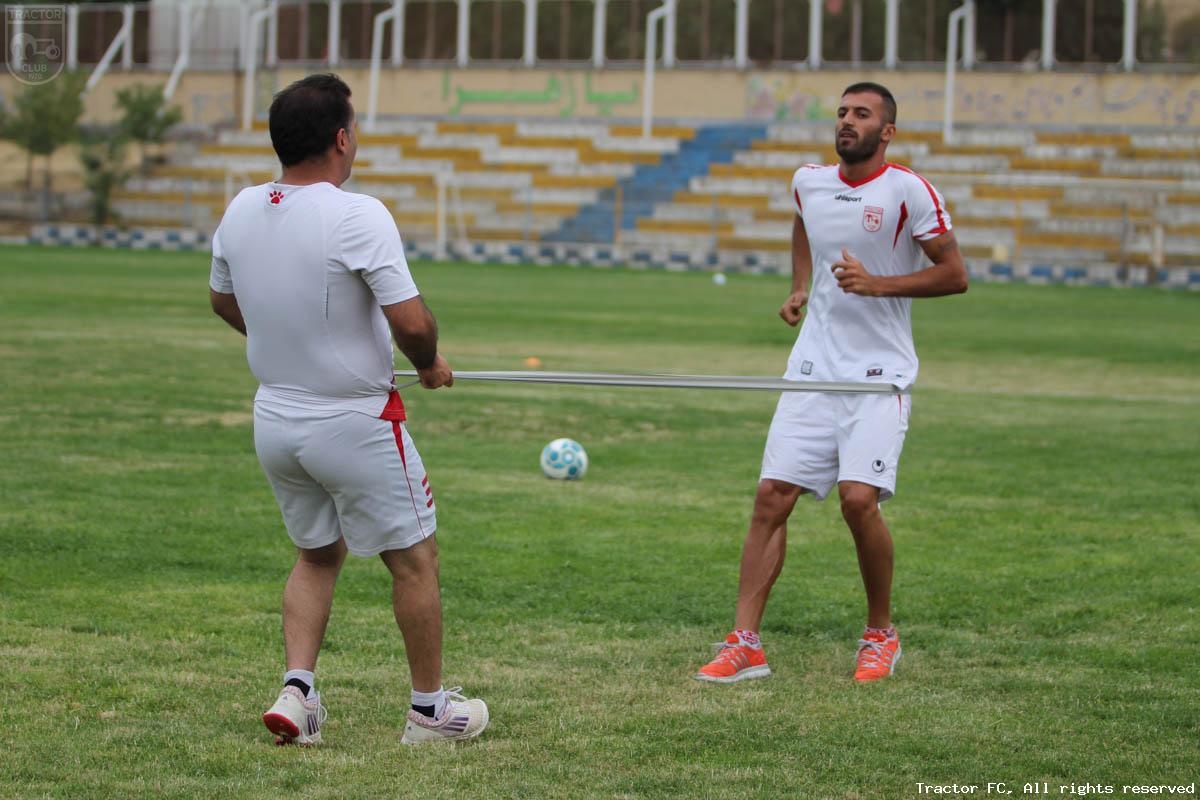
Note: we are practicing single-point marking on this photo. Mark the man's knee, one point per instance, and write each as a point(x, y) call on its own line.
point(774, 501)
point(859, 501)
point(418, 561)
point(329, 557)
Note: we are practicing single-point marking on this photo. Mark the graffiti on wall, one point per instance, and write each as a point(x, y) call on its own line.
point(561, 94)
point(1057, 99)
point(775, 101)
point(1147, 104)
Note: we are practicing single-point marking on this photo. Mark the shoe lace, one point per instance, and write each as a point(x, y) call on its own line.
point(456, 695)
point(870, 654)
point(321, 712)
point(728, 652)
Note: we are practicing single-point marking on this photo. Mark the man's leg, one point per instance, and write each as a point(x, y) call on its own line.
point(298, 714)
point(741, 656)
point(307, 600)
point(764, 550)
point(417, 604)
point(879, 648)
point(873, 541)
point(437, 715)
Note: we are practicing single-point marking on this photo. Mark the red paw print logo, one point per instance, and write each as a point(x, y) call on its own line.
point(276, 196)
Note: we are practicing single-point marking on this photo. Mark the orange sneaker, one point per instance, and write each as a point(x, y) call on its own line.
point(735, 662)
point(877, 656)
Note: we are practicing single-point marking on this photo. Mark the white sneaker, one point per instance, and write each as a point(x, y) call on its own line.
point(294, 719)
point(462, 719)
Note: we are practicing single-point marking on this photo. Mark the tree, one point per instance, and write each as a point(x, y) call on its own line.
point(1185, 39)
point(102, 153)
point(44, 118)
point(145, 116)
point(1152, 31)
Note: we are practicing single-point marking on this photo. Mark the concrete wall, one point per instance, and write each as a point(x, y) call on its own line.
point(1164, 102)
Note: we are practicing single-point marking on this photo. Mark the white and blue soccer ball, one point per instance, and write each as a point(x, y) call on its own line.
point(564, 460)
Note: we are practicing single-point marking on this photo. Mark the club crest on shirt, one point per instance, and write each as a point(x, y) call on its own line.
point(872, 218)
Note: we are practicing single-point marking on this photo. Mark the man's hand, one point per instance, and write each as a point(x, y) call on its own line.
point(793, 308)
point(853, 277)
point(436, 375)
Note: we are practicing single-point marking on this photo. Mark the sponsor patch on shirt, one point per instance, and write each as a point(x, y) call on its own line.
point(875, 372)
point(806, 368)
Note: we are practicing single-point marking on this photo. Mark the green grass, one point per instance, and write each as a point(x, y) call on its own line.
point(1047, 525)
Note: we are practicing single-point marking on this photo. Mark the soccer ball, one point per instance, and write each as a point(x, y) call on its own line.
point(564, 460)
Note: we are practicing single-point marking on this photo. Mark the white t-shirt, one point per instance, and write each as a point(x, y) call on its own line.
point(879, 220)
point(310, 267)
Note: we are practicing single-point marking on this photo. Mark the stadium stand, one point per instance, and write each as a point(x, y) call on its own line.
point(1077, 198)
point(490, 143)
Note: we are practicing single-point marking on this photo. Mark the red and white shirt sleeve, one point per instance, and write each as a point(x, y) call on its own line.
point(927, 208)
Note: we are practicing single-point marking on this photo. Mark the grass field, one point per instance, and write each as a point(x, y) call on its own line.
point(1047, 527)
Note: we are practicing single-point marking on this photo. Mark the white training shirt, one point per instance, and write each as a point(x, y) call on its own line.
point(310, 267)
point(879, 220)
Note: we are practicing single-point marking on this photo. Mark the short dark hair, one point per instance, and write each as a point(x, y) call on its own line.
point(889, 102)
point(306, 116)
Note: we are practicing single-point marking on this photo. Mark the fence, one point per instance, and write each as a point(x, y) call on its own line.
point(705, 32)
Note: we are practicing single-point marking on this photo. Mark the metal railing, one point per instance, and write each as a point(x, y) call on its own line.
point(734, 33)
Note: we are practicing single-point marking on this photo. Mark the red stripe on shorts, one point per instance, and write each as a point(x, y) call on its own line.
point(399, 434)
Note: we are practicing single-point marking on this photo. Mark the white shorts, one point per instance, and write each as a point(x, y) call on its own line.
point(344, 474)
point(820, 439)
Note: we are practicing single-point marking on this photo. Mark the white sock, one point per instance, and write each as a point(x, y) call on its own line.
point(436, 699)
point(303, 675)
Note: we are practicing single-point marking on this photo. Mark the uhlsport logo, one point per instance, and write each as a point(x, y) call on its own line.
point(35, 37)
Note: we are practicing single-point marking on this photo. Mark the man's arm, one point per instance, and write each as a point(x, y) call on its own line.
point(793, 307)
point(416, 334)
point(947, 274)
point(226, 307)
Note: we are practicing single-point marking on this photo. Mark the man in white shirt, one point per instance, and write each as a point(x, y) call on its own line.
point(860, 230)
point(315, 277)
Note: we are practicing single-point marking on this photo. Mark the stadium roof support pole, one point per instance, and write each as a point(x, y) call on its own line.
point(185, 49)
point(17, 54)
point(599, 24)
point(398, 33)
point(273, 36)
point(72, 37)
point(127, 47)
point(669, 35)
point(956, 16)
point(253, 34)
point(891, 35)
point(815, 18)
point(464, 32)
point(335, 32)
point(1048, 11)
point(243, 17)
point(968, 39)
point(395, 15)
point(120, 40)
point(652, 20)
point(741, 36)
point(1129, 42)
point(856, 33)
point(530, 48)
